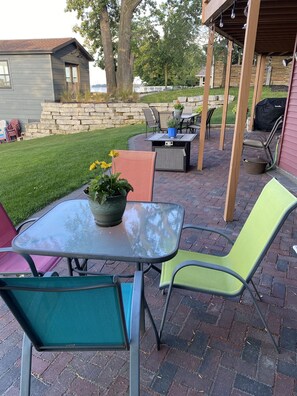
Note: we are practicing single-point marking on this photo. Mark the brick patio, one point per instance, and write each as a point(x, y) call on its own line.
point(211, 346)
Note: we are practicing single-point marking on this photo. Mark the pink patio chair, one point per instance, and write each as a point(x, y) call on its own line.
point(13, 130)
point(15, 264)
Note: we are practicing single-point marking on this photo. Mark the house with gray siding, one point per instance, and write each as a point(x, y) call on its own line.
point(39, 70)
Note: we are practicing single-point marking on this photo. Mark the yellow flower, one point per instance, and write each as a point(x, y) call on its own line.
point(93, 166)
point(105, 165)
point(113, 153)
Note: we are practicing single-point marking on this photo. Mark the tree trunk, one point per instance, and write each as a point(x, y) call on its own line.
point(125, 61)
point(110, 73)
point(166, 76)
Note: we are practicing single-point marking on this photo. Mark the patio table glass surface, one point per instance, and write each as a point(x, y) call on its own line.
point(149, 233)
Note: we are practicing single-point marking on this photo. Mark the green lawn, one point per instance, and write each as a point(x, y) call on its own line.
point(36, 172)
point(170, 96)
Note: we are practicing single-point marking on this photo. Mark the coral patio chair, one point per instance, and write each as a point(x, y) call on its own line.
point(15, 264)
point(138, 167)
point(76, 314)
point(229, 275)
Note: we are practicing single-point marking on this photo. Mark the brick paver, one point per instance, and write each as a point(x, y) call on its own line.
point(211, 346)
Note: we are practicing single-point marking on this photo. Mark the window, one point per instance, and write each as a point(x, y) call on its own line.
point(71, 72)
point(4, 75)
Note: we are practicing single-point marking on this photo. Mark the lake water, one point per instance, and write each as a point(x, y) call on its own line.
point(98, 88)
point(137, 88)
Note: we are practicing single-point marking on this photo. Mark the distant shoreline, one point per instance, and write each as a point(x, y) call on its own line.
point(137, 88)
point(98, 88)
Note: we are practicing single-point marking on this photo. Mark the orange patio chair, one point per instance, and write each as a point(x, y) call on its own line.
point(138, 167)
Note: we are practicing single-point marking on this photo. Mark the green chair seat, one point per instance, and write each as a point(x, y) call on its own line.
point(199, 278)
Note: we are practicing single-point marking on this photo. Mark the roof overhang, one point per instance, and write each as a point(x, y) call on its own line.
point(40, 46)
point(277, 26)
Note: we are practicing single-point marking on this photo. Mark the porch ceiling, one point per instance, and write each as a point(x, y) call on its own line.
point(277, 25)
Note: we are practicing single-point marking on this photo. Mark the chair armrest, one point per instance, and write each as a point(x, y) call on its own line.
point(27, 257)
point(25, 222)
point(214, 230)
point(5, 249)
point(50, 274)
point(213, 267)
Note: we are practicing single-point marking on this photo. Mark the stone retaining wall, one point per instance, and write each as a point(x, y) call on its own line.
point(66, 118)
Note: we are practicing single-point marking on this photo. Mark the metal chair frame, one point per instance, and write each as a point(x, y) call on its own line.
point(150, 121)
point(262, 143)
point(82, 304)
point(197, 122)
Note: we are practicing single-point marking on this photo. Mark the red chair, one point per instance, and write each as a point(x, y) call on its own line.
point(138, 167)
point(13, 130)
point(15, 264)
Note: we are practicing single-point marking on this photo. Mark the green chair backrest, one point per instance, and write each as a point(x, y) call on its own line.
point(267, 216)
point(93, 317)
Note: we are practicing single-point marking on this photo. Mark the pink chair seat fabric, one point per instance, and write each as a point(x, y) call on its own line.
point(13, 263)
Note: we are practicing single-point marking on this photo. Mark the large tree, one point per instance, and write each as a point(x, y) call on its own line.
point(167, 51)
point(106, 26)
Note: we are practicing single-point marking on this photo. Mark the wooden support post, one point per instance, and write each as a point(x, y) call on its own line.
point(205, 98)
point(261, 63)
point(226, 95)
point(243, 96)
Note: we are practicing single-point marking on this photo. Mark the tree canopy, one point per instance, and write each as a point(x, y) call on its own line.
point(136, 37)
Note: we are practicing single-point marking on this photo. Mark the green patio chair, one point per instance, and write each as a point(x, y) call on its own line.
point(229, 275)
point(76, 313)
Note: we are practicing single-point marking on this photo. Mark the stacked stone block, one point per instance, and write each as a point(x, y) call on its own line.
point(67, 118)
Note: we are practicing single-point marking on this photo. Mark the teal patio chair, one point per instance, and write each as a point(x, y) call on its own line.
point(229, 275)
point(76, 313)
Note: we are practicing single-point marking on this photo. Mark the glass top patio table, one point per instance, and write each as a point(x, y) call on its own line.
point(149, 233)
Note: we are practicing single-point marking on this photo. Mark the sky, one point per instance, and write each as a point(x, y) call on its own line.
point(29, 19)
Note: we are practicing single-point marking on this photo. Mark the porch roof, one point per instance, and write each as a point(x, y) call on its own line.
point(276, 30)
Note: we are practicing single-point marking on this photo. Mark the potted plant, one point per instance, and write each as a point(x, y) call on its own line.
point(198, 110)
point(173, 124)
point(178, 108)
point(107, 193)
point(248, 120)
